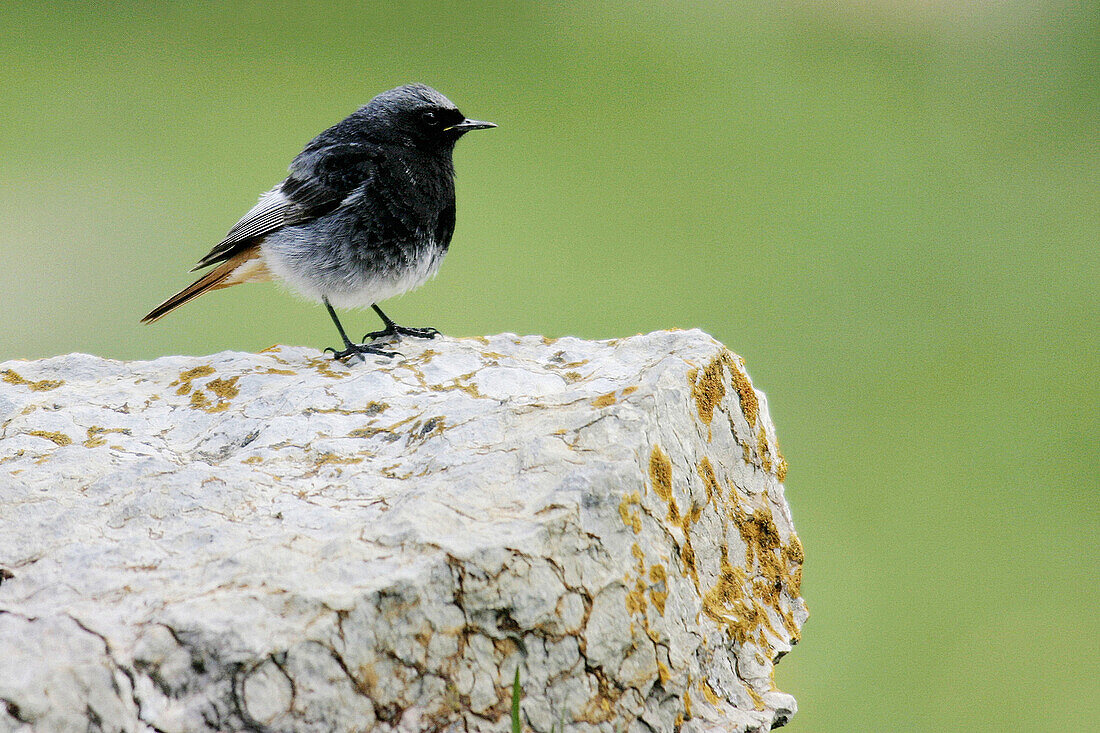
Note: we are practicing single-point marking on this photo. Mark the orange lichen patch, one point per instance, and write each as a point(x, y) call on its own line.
point(94, 440)
point(780, 465)
point(708, 388)
point(762, 445)
point(273, 349)
point(674, 516)
point(426, 356)
point(654, 582)
point(792, 554)
point(598, 710)
point(461, 383)
point(227, 389)
point(223, 390)
point(631, 517)
point(773, 563)
point(42, 385)
point(761, 538)
point(660, 473)
point(659, 578)
point(687, 702)
point(186, 377)
point(253, 460)
point(709, 693)
point(793, 550)
point(58, 438)
point(662, 673)
point(18, 454)
point(757, 700)
point(326, 459)
point(323, 365)
point(389, 472)
point(635, 597)
point(629, 390)
point(604, 400)
point(367, 432)
point(710, 483)
point(194, 373)
point(728, 606)
point(750, 406)
point(273, 370)
point(572, 377)
point(687, 557)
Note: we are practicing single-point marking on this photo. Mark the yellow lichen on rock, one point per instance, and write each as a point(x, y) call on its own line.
point(710, 483)
point(94, 440)
point(60, 439)
point(750, 406)
point(227, 389)
point(659, 579)
point(42, 385)
point(727, 604)
point(762, 445)
point(708, 693)
point(635, 597)
point(708, 387)
point(660, 473)
point(780, 465)
point(188, 375)
point(223, 390)
point(773, 563)
point(631, 517)
point(757, 698)
point(604, 400)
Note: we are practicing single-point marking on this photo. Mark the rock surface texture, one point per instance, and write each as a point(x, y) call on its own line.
point(278, 542)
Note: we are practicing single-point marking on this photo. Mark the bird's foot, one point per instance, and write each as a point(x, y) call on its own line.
point(394, 330)
point(360, 350)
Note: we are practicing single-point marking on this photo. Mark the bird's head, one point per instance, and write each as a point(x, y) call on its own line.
point(418, 116)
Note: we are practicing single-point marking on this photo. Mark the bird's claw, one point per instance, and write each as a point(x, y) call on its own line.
point(395, 330)
point(361, 350)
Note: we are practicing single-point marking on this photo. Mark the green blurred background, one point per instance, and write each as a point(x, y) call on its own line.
point(890, 208)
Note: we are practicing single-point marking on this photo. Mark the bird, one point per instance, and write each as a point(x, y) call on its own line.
point(366, 213)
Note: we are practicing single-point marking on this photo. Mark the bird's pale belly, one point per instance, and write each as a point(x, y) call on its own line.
point(348, 287)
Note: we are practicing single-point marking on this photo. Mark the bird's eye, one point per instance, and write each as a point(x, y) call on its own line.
point(429, 117)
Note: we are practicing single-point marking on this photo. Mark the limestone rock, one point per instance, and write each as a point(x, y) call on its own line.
point(279, 542)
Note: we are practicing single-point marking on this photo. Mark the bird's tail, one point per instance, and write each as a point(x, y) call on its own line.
point(240, 268)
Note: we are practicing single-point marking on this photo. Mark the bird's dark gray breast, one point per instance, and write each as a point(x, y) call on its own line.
point(405, 209)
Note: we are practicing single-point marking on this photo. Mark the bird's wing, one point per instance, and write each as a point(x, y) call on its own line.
point(319, 181)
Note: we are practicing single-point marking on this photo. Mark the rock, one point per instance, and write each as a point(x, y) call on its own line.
point(279, 542)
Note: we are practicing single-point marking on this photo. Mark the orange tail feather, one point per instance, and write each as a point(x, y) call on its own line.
point(222, 276)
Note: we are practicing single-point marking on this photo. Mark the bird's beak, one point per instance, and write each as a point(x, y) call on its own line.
point(467, 125)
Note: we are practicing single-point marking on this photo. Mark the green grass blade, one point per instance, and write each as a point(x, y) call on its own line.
point(515, 703)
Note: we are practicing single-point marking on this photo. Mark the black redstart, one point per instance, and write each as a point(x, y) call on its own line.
point(366, 213)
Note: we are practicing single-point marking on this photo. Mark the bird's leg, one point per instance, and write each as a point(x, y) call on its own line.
point(351, 349)
point(392, 329)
